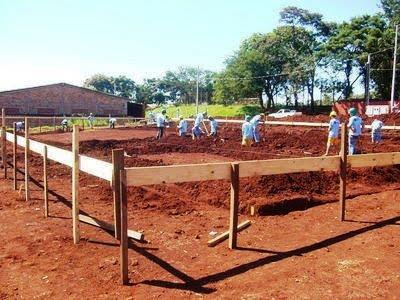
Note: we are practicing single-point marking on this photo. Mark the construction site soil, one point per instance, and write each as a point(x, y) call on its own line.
point(300, 250)
point(269, 195)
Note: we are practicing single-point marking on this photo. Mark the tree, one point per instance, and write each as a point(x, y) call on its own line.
point(101, 83)
point(119, 86)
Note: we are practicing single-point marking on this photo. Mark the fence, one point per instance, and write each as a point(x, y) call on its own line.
point(121, 178)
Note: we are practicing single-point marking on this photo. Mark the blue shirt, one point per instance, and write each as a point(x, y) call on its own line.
point(247, 130)
point(376, 126)
point(182, 126)
point(199, 119)
point(214, 126)
point(255, 120)
point(334, 126)
point(355, 125)
point(160, 120)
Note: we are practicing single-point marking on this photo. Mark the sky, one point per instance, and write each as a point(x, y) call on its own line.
point(47, 41)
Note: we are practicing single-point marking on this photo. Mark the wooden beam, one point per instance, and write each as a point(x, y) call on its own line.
point(374, 160)
point(225, 235)
point(3, 118)
point(124, 229)
point(15, 167)
point(45, 186)
point(4, 150)
point(27, 191)
point(118, 165)
point(343, 171)
point(96, 167)
point(138, 236)
point(290, 165)
point(179, 173)
point(75, 184)
point(234, 206)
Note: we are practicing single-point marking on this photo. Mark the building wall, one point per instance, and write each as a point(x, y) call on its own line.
point(61, 99)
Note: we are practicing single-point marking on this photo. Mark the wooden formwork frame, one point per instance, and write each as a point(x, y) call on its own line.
point(122, 177)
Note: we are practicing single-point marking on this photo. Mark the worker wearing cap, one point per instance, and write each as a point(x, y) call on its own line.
point(112, 122)
point(376, 127)
point(333, 131)
point(160, 123)
point(247, 132)
point(91, 120)
point(64, 125)
point(20, 126)
point(213, 126)
point(355, 126)
point(196, 130)
point(182, 126)
point(256, 121)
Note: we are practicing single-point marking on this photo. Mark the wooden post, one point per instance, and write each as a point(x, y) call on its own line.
point(15, 156)
point(54, 123)
point(343, 171)
point(4, 150)
point(83, 124)
point(124, 229)
point(45, 187)
point(27, 192)
point(234, 206)
point(118, 165)
point(40, 125)
point(75, 184)
point(4, 141)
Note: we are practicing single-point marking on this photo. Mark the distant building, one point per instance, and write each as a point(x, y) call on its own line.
point(62, 99)
point(375, 107)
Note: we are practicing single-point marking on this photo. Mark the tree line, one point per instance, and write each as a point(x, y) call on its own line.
point(305, 53)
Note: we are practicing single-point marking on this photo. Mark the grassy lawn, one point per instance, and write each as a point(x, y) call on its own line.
point(215, 110)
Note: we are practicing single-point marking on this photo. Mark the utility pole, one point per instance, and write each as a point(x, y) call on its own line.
point(368, 69)
point(197, 91)
point(394, 70)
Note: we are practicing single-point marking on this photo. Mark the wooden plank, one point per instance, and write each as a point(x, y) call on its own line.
point(75, 184)
point(96, 167)
point(36, 147)
point(4, 150)
point(10, 136)
point(138, 236)
point(27, 191)
point(178, 173)
point(3, 117)
point(21, 141)
point(59, 155)
point(118, 165)
point(45, 186)
point(374, 160)
point(225, 235)
point(343, 171)
point(124, 228)
point(291, 165)
point(234, 206)
point(15, 167)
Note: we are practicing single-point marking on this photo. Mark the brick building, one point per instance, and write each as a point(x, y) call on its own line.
point(61, 99)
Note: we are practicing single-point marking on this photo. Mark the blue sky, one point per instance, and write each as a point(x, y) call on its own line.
point(47, 41)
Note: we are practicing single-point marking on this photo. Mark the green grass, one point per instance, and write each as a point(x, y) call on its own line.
point(215, 110)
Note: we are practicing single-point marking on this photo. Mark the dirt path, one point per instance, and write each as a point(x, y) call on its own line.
point(304, 254)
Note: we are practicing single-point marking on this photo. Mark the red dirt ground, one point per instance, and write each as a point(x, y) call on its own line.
point(296, 248)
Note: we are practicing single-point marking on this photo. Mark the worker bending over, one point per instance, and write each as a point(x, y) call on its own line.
point(160, 121)
point(197, 132)
point(256, 121)
point(376, 127)
point(64, 125)
point(213, 126)
point(19, 126)
point(333, 132)
point(182, 126)
point(112, 122)
point(247, 132)
point(355, 126)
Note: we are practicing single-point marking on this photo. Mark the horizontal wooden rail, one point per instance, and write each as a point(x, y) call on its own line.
point(89, 165)
point(290, 165)
point(374, 160)
point(179, 173)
